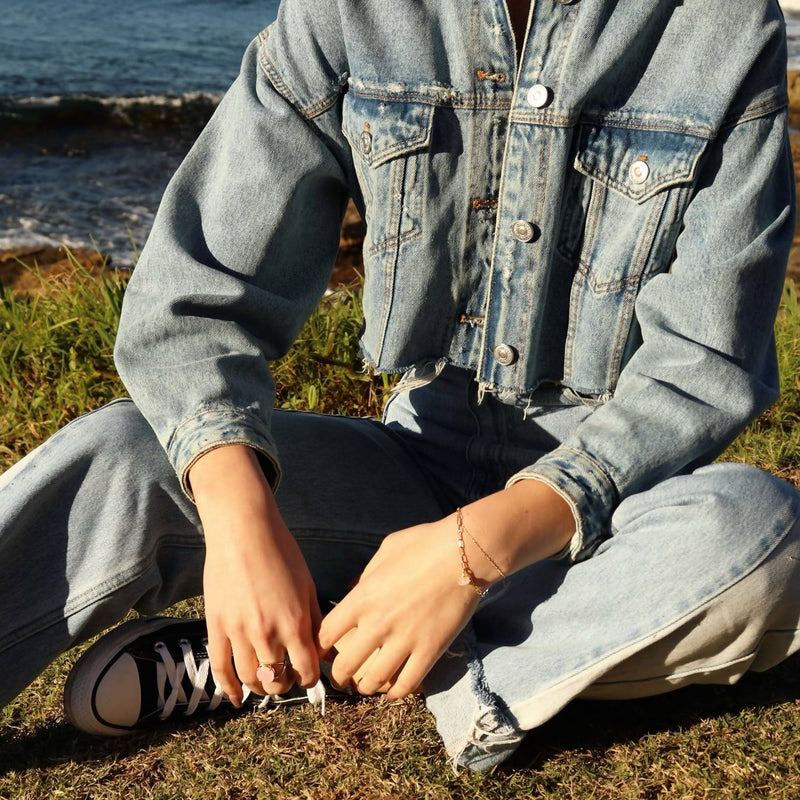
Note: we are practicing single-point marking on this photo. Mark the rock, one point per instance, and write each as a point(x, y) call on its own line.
point(30, 271)
point(793, 85)
point(349, 266)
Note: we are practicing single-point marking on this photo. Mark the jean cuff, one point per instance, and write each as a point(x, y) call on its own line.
point(586, 488)
point(217, 427)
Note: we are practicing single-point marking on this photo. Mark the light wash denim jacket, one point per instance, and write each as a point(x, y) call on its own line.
point(611, 216)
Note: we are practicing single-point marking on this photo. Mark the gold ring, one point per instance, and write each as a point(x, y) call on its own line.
point(276, 668)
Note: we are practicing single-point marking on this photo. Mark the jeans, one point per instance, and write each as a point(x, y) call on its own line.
point(698, 581)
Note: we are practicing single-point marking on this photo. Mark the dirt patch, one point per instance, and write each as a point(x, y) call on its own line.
point(30, 271)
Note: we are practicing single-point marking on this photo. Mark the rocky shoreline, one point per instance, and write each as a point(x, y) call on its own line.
point(793, 82)
point(56, 266)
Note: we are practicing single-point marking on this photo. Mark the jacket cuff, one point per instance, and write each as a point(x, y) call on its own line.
point(586, 488)
point(213, 428)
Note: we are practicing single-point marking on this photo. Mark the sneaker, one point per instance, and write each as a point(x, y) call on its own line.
point(148, 670)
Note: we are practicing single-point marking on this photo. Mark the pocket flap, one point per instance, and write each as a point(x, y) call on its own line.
point(637, 163)
point(379, 130)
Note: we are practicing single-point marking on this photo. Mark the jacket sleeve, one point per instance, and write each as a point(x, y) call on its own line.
point(707, 364)
point(240, 252)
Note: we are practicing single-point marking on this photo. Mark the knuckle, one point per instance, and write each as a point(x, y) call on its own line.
point(262, 628)
point(341, 674)
point(296, 627)
point(403, 688)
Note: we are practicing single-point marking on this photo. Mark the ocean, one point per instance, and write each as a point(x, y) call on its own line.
point(100, 101)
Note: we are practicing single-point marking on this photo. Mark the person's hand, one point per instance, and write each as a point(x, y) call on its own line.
point(403, 613)
point(409, 604)
point(259, 595)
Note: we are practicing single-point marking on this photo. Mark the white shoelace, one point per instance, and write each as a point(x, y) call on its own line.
point(170, 673)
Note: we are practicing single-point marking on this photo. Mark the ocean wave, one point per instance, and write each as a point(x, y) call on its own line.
point(32, 115)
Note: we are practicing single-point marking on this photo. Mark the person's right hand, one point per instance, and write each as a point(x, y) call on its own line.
point(259, 595)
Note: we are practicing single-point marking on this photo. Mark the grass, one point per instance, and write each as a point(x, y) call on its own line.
point(772, 442)
point(702, 742)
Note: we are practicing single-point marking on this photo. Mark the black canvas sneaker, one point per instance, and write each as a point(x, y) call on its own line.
point(148, 670)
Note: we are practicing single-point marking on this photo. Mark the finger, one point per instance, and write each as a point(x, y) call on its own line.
point(304, 651)
point(305, 660)
point(316, 622)
point(409, 679)
point(378, 673)
point(336, 624)
point(254, 648)
point(353, 651)
point(274, 675)
point(220, 656)
point(245, 660)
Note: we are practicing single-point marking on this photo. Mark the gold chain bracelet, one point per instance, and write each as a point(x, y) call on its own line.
point(467, 575)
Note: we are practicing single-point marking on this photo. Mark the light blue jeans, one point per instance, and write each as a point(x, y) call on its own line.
point(699, 581)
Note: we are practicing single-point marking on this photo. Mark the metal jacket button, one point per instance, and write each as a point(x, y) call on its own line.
point(539, 96)
point(505, 355)
point(639, 171)
point(365, 142)
point(523, 231)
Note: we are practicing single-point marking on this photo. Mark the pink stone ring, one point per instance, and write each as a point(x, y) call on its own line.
point(275, 669)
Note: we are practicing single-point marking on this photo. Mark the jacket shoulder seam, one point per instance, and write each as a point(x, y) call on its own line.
point(273, 74)
point(763, 108)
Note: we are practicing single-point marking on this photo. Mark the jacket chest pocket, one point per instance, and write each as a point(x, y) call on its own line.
point(625, 201)
point(622, 213)
point(387, 139)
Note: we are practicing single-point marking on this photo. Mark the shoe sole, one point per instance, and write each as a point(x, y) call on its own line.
point(81, 683)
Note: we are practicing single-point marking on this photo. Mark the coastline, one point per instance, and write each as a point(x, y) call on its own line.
point(793, 85)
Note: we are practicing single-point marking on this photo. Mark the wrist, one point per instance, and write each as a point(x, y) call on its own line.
point(468, 577)
point(515, 527)
point(217, 470)
point(232, 495)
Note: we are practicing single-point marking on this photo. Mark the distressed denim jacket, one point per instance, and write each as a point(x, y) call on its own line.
point(610, 216)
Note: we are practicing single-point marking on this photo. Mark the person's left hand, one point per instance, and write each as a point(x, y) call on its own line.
point(403, 613)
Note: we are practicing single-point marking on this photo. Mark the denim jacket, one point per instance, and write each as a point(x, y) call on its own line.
point(609, 216)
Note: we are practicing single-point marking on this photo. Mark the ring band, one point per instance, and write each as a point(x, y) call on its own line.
point(277, 668)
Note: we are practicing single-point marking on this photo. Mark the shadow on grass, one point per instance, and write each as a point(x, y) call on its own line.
point(583, 725)
point(56, 743)
point(601, 724)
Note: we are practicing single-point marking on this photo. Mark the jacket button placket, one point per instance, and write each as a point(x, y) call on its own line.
point(518, 284)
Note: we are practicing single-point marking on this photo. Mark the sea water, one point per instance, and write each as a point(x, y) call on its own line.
point(99, 102)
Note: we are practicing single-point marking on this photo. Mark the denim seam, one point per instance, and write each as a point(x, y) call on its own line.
point(677, 177)
point(561, 120)
point(275, 77)
point(445, 96)
point(750, 113)
point(79, 603)
point(748, 657)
